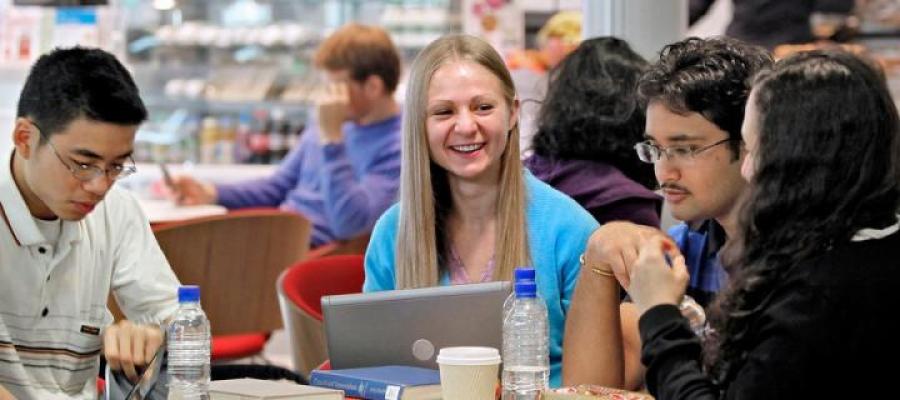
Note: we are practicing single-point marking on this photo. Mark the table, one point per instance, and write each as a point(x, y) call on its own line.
point(163, 211)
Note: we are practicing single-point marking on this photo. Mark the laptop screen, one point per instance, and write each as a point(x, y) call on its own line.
point(151, 384)
point(408, 327)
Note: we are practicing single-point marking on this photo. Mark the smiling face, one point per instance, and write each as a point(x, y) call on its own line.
point(707, 187)
point(468, 121)
point(45, 178)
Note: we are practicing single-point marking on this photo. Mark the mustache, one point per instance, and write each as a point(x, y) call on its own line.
point(673, 186)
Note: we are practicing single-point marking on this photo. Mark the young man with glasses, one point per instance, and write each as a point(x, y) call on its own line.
point(695, 96)
point(68, 238)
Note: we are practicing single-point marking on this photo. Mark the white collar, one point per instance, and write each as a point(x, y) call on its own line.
point(15, 215)
point(872, 234)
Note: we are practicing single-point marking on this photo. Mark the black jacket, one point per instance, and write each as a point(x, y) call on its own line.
point(829, 330)
point(769, 23)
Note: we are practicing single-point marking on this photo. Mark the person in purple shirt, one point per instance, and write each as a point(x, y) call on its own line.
point(345, 171)
point(587, 129)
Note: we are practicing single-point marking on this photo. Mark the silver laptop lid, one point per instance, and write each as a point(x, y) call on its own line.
point(408, 327)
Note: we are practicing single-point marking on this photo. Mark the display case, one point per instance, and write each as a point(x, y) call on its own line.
point(231, 81)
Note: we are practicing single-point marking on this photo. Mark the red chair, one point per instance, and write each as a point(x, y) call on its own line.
point(355, 245)
point(300, 290)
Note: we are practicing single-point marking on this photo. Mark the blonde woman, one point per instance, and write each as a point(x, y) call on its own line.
point(468, 211)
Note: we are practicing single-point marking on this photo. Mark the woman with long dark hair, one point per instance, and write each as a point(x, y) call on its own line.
point(811, 305)
point(587, 129)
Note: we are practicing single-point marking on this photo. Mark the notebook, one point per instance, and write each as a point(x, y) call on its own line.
point(256, 389)
point(408, 327)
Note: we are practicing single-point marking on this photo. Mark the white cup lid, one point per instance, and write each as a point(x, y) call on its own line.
point(468, 356)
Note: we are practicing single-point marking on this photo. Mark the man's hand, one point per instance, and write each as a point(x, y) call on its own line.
point(188, 191)
point(653, 281)
point(615, 245)
point(127, 346)
point(332, 105)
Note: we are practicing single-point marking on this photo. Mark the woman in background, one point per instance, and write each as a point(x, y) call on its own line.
point(469, 212)
point(587, 129)
point(810, 308)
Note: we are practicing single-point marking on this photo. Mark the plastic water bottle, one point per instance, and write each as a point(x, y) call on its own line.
point(526, 351)
point(188, 339)
point(695, 315)
point(519, 274)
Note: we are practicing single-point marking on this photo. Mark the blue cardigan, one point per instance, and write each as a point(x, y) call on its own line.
point(558, 230)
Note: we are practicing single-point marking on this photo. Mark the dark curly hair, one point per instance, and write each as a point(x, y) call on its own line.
point(821, 115)
point(710, 77)
point(590, 111)
point(71, 83)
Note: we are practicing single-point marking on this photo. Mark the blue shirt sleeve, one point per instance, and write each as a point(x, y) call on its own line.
point(265, 192)
point(380, 261)
point(353, 204)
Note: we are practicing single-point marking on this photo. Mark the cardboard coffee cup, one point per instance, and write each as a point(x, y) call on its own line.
point(469, 373)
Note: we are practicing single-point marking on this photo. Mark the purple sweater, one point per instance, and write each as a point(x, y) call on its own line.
point(341, 188)
point(600, 188)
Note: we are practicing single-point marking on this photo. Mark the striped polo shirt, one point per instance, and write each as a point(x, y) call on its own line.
point(53, 293)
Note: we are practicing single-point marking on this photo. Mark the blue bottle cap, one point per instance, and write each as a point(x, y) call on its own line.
point(523, 274)
point(188, 294)
point(526, 289)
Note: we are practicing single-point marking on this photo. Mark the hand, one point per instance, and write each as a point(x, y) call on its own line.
point(653, 281)
point(127, 346)
point(332, 106)
point(616, 245)
point(188, 192)
point(6, 395)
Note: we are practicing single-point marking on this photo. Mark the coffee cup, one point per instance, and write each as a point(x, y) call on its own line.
point(469, 373)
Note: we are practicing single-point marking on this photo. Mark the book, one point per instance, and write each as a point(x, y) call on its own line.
point(392, 382)
point(257, 389)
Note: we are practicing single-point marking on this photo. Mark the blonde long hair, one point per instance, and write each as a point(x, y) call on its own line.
point(424, 193)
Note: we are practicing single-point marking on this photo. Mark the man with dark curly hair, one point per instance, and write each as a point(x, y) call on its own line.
point(695, 96)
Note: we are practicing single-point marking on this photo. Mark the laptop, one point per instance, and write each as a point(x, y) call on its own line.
point(409, 327)
point(150, 385)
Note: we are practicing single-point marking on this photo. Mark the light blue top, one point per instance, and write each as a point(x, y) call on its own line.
point(558, 230)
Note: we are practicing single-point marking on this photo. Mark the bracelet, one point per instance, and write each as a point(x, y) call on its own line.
point(597, 269)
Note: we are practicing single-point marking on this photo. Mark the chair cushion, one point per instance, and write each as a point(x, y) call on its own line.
point(227, 347)
point(306, 282)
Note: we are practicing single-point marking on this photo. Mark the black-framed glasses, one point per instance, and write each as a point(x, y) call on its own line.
point(650, 153)
point(87, 172)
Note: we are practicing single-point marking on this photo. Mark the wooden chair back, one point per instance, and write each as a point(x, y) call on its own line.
point(236, 259)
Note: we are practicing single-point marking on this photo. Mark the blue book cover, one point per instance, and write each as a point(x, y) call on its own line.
point(375, 383)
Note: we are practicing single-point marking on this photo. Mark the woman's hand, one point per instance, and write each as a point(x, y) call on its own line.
point(653, 281)
point(616, 245)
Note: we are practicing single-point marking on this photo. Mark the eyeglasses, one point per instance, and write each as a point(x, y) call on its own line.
point(651, 153)
point(88, 172)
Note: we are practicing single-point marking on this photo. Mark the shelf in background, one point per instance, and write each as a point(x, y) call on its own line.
point(220, 106)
